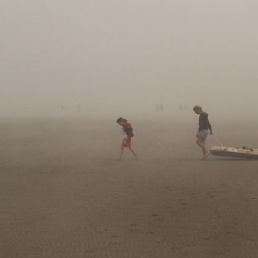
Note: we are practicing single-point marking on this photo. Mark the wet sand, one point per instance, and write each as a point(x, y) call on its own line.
point(63, 194)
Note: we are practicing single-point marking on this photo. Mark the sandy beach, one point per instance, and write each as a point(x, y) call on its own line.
point(63, 194)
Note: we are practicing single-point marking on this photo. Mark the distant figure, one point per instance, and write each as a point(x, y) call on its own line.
point(203, 130)
point(62, 108)
point(161, 107)
point(127, 136)
point(79, 107)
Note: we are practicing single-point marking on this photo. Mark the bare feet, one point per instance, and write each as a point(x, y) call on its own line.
point(206, 155)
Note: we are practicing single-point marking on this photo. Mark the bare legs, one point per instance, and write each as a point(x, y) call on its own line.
point(132, 151)
point(122, 152)
point(201, 143)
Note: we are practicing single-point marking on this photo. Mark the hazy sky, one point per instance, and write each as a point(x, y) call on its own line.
point(128, 55)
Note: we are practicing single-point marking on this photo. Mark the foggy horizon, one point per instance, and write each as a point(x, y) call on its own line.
point(126, 56)
point(166, 182)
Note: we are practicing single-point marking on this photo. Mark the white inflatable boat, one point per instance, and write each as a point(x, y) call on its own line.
point(243, 153)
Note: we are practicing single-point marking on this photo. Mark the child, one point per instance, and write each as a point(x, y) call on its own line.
point(127, 135)
point(203, 131)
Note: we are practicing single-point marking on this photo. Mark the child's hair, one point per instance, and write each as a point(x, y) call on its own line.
point(121, 119)
point(197, 107)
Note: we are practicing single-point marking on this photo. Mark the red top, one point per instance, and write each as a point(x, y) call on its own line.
point(128, 129)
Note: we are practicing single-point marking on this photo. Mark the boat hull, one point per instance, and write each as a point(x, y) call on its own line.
point(234, 152)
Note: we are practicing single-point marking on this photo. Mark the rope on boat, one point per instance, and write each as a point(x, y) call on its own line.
point(218, 140)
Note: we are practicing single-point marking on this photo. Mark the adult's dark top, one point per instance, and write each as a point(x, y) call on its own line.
point(204, 123)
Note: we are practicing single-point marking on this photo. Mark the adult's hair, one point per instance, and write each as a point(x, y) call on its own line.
point(121, 119)
point(197, 107)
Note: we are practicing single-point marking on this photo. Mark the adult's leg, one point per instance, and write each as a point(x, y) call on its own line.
point(201, 143)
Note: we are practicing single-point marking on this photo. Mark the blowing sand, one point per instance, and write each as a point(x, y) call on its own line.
point(63, 194)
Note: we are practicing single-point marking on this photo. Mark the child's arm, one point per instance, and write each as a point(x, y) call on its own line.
point(128, 130)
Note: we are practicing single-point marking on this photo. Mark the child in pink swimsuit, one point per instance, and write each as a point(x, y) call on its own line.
point(127, 136)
